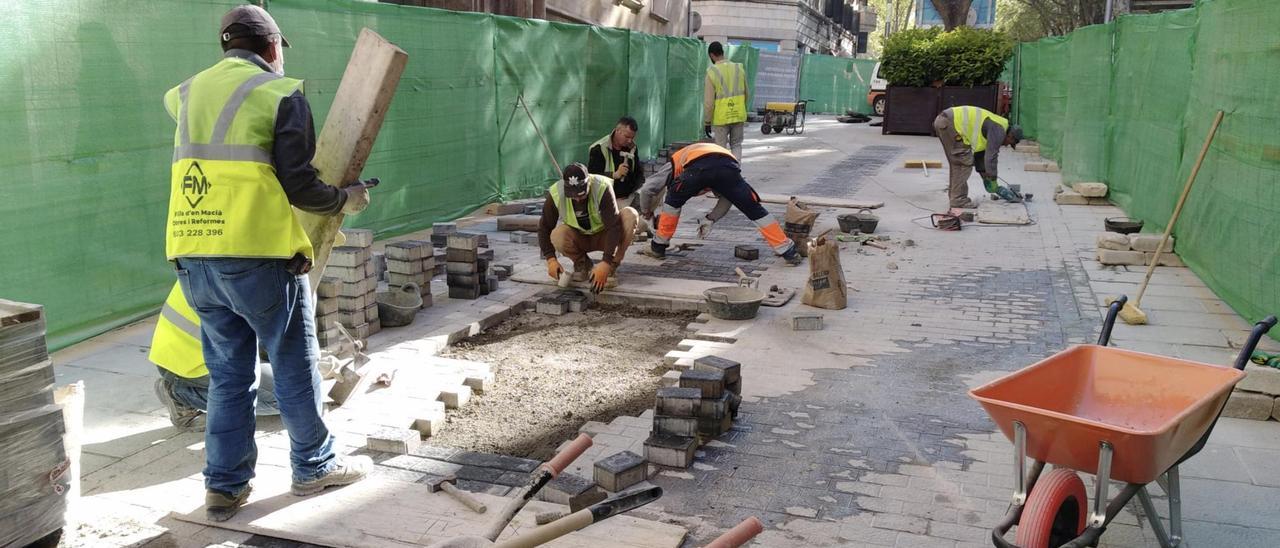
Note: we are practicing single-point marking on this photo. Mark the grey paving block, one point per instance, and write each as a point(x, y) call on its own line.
point(620, 471)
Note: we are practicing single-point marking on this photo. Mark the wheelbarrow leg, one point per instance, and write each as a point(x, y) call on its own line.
point(1098, 518)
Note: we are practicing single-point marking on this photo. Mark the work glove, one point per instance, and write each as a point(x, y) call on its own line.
point(358, 196)
point(554, 269)
point(991, 185)
point(704, 227)
point(600, 275)
point(706, 129)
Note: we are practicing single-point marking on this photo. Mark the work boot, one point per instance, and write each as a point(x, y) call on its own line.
point(182, 417)
point(582, 269)
point(655, 250)
point(348, 471)
point(221, 506)
point(792, 257)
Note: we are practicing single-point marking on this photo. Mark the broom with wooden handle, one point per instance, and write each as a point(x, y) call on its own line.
point(1131, 313)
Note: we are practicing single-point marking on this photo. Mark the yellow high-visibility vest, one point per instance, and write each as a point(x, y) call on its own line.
point(224, 197)
point(175, 345)
point(597, 186)
point(968, 122)
point(730, 82)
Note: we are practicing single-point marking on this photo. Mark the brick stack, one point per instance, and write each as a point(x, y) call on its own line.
point(411, 261)
point(1257, 397)
point(698, 409)
point(440, 233)
point(36, 477)
point(1134, 250)
point(467, 266)
point(347, 295)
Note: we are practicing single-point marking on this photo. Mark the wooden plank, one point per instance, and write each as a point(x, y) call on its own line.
point(820, 201)
point(359, 106)
point(922, 164)
point(380, 512)
point(14, 312)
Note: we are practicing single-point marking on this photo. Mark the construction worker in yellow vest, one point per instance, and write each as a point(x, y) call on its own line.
point(724, 100)
point(183, 386)
point(705, 167)
point(241, 162)
point(581, 215)
point(614, 156)
point(966, 133)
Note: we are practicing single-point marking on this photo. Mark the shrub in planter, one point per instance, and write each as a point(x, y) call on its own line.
point(962, 57)
point(907, 58)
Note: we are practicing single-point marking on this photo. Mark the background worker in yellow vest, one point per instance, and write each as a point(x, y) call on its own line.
point(704, 167)
point(581, 215)
point(614, 156)
point(967, 134)
point(183, 386)
point(724, 100)
point(241, 163)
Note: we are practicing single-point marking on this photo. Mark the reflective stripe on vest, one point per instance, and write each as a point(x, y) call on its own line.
point(224, 197)
point(687, 155)
point(175, 345)
point(968, 122)
point(730, 82)
point(597, 186)
point(604, 143)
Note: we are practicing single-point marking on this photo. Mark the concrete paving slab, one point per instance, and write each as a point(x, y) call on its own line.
point(1262, 465)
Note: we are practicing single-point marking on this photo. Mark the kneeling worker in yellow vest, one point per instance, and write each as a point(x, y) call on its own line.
point(183, 386)
point(966, 134)
point(581, 215)
point(241, 163)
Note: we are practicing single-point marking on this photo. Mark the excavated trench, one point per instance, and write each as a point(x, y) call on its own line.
point(555, 373)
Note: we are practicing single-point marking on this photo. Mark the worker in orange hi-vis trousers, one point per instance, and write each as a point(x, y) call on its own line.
point(704, 167)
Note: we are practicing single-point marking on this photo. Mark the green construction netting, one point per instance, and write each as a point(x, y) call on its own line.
point(1229, 226)
point(1169, 74)
point(835, 84)
point(687, 64)
point(648, 91)
point(85, 163)
point(86, 166)
point(1084, 125)
point(1148, 99)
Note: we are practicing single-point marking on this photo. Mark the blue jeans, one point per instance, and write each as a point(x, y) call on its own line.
point(241, 303)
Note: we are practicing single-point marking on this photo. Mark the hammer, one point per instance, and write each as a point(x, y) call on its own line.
point(445, 484)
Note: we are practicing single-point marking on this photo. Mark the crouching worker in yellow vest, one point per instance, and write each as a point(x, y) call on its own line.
point(183, 386)
point(581, 215)
point(967, 134)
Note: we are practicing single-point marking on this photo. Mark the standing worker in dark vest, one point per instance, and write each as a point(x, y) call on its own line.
point(724, 100)
point(704, 167)
point(965, 133)
point(241, 163)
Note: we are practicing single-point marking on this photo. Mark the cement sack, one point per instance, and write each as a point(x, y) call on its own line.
point(826, 287)
point(797, 223)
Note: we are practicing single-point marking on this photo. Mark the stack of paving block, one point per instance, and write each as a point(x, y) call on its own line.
point(701, 407)
point(347, 296)
point(561, 302)
point(1134, 250)
point(1082, 194)
point(34, 458)
point(411, 261)
point(467, 266)
point(1257, 397)
point(440, 233)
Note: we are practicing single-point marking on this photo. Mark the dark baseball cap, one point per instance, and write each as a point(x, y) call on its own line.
point(255, 19)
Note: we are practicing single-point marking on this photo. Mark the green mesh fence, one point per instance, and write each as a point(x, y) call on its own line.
point(687, 64)
point(1084, 124)
point(836, 84)
point(86, 162)
point(1169, 74)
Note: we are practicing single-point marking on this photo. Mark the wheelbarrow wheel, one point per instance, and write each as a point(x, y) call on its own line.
point(765, 128)
point(1055, 512)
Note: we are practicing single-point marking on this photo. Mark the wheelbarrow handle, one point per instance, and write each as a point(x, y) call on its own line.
point(1259, 329)
point(1113, 310)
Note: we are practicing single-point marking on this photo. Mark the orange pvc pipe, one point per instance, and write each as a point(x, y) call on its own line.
point(739, 535)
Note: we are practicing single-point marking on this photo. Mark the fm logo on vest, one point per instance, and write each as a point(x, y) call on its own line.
point(194, 183)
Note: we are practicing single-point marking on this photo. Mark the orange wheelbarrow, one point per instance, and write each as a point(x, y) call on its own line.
point(1117, 414)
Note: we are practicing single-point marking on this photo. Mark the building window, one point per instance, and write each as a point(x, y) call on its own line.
point(658, 10)
point(634, 5)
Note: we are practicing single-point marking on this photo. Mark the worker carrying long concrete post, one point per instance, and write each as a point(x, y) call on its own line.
point(724, 100)
point(183, 386)
point(965, 133)
point(241, 163)
point(581, 215)
point(705, 167)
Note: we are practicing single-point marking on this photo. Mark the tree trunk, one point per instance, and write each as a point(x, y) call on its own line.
point(954, 13)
